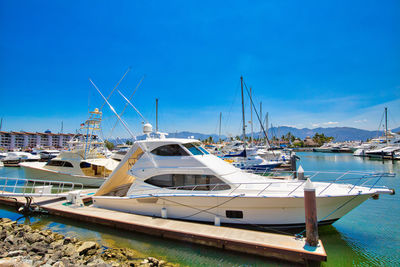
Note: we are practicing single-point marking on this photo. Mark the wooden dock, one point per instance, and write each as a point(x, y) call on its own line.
point(245, 241)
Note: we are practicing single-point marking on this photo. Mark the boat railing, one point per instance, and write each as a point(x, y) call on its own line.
point(18, 187)
point(350, 178)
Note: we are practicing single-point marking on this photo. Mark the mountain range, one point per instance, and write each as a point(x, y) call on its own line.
point(339, 133)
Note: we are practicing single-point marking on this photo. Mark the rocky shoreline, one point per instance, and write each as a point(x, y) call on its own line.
point(23, 246)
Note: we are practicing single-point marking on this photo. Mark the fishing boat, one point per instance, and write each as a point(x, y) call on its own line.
point(177, 178)
point(85, 161)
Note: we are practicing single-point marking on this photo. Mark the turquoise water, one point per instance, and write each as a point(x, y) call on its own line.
point(367, 236)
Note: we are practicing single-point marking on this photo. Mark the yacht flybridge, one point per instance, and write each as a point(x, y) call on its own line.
point(177, 178)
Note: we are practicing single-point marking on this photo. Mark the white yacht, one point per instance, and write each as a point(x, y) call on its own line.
point(48, 154)
point(71, 166)
point(14, 158)
point(177, 178)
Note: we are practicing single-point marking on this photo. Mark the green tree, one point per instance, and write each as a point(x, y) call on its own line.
point(321, 139)
point(109, 145)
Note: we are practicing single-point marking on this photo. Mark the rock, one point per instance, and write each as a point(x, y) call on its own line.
point(26, 228)
point(49, 239)
point(10, 239)
point(56, 256)
point(161, 263)
point(5, 220)
point(57, 244)
point(13, 263)
point(34, 237)
point(153, 260)
point(57, 236)
point(39, 247)
point(67, 240)
point(69, 250)
point(59, 264)
point(86, 246)
point(16, 253)
point(9, 226)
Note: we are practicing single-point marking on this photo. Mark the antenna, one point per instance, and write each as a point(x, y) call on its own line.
point(133, 106)
point(219, 134)
point(244, 121)
point(156, 115)
point(113, 110)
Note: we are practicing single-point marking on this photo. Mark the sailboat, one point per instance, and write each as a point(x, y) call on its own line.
point(249, 159)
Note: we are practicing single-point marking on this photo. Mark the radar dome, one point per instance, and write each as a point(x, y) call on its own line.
point(147, 128)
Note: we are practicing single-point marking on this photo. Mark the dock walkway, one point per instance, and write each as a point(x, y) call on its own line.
point(228, 238)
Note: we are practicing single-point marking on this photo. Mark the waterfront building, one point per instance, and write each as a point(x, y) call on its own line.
point(28, 140)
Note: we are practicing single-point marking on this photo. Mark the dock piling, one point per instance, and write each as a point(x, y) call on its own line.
point(300, 173)
point(293, 164)
point(310, 206)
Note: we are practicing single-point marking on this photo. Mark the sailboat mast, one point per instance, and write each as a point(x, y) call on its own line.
point(244, 121)
point(220, 119)
point(386, 126)
point(251, 117)
point(261, 128)
point(156, 115)
point(266, 125)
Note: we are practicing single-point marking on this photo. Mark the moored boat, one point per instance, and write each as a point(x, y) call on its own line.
point(179, 179)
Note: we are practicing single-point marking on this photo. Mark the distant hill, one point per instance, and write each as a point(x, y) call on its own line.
point(339, 133)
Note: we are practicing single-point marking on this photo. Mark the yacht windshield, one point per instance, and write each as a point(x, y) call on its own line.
point(193, 149)
point(204, 150)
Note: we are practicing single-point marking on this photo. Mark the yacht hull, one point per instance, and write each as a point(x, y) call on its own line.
point(40, 173)
point(274, 211)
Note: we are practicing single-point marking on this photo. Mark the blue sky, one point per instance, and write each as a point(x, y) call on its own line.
point(311, 63)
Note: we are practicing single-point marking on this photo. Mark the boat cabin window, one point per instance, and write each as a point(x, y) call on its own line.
point(170, 150)
point(85, 164)
point(193, 149)
point(196, 149)
point(59, 163)
point(204, 150)
point(188, 182)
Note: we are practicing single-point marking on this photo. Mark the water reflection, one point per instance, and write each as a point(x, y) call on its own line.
point(368, 235)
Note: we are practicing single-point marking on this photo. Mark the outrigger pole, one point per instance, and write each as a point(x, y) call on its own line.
point(115, 87)
point(113, 110)
point(129, 102)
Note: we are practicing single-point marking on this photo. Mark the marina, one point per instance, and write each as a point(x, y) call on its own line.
point(183, 133)
point(345, 232)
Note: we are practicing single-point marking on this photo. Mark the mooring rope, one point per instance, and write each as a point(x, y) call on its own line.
point(341, 206)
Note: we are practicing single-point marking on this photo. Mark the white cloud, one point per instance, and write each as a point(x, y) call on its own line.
point(330, 123)
point(359, 121)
